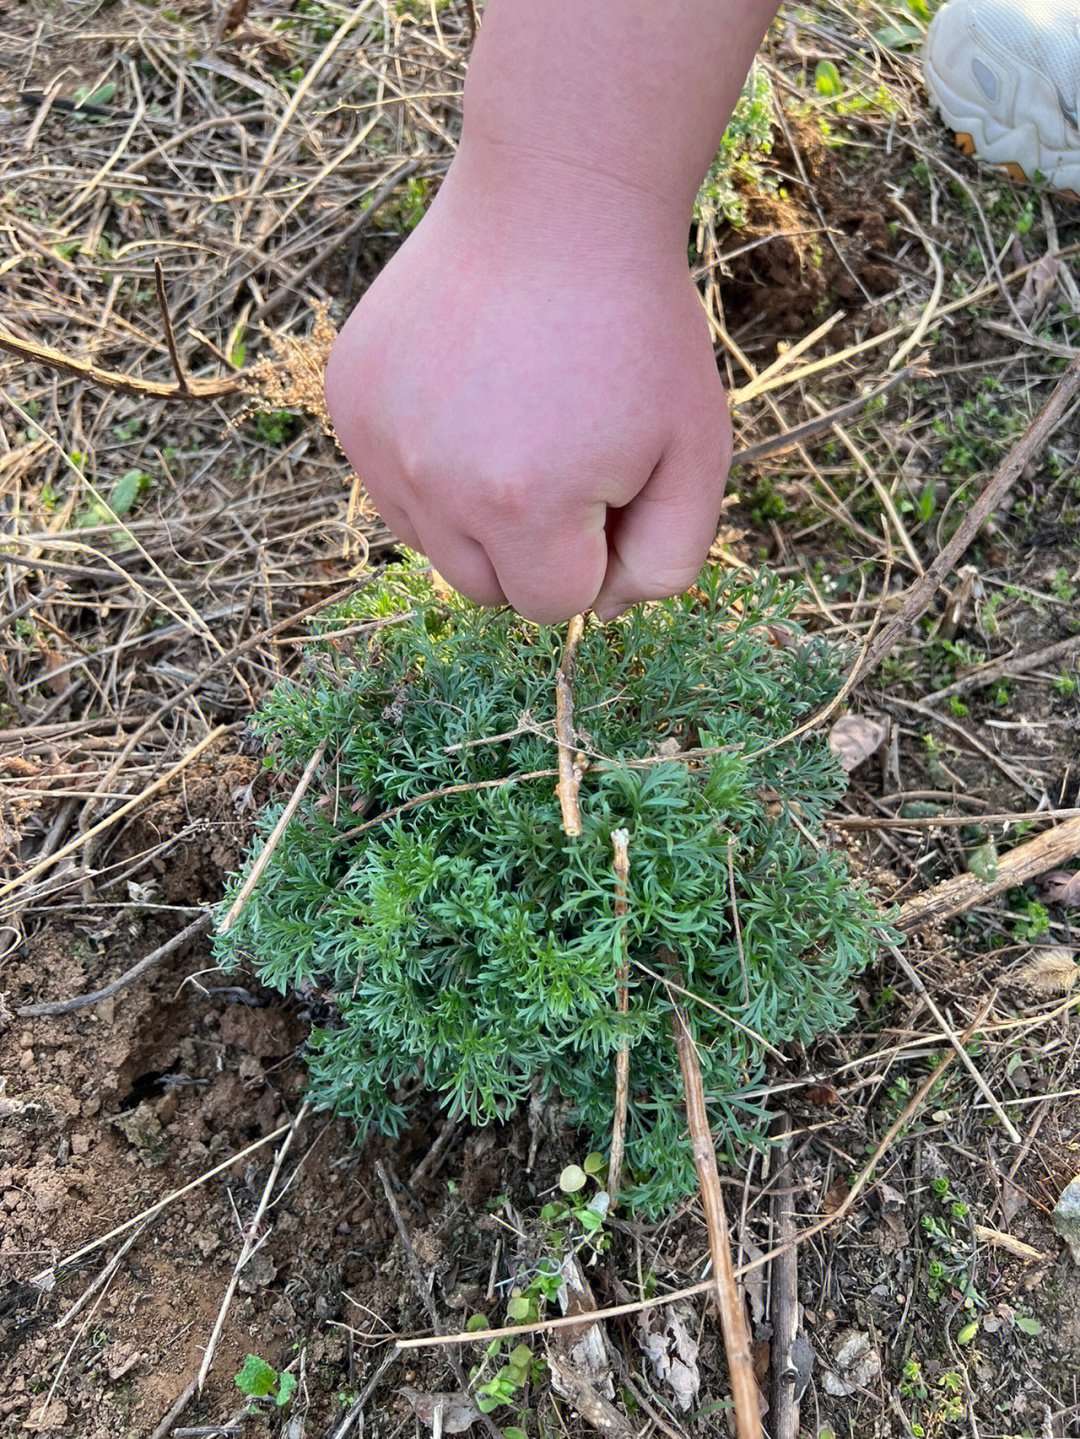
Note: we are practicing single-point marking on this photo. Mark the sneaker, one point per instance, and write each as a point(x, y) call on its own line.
point(1005, 74)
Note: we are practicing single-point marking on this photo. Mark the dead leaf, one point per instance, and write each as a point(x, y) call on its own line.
point(459, 1413)
point(890, 1198)
point(856, 1364)
point(672, 1351)
point(854, 738)
point(781, 636)
point(1013, 1199)
point(130, 220)
point(1052, 970)
point(822, 1095)
point(1062, 886)
point(56, 684)
point(833, 1197)
point(1040, 281)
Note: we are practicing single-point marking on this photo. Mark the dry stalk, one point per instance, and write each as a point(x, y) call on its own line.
point(744, 1389)
point(423, 1292)
point(784, 1312)
point(252, 1241)
point(246, 889)
point(964, 891)
point(790, 439)
point(922, 592)
point(954, 1039)
point(1007, 667)
point(47, 1277)
point(166, 323)
point(569, 770)
point(620, 841)
point(110, 819)
point(123, 384)
point(148, 961)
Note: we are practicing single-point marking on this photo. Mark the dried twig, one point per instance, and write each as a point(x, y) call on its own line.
point(252, 1241)
point(965, 891)
point(47, 1277)
point(744, 1389)
point(273, 840)
point(1006, 668)
point(165, 1427)
point(110, 819)
point(1027, 1252)
point(620, 840)
point(922, 592)
point(123, 384)
point(422, 1292)
point(569, 770)
point(791, 439)
point(954, 1039)
point(182, 380)
point(784, 1411)
point(82, 1001)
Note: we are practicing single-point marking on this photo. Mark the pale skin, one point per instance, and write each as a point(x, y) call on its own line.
point(528, 390)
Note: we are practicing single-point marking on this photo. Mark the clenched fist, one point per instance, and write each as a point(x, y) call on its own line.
point(528, 390)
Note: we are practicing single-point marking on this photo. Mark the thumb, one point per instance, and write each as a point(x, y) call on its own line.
point(658, 542)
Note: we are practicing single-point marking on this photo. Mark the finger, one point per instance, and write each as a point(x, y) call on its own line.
point(550, 570)
point(397, 521)
point(461, 562)
point(658, 542)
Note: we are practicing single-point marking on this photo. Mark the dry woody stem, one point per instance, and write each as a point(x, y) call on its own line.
point(1008, 472)
point(964, 891)
point(272, 842)
point(124, 384)
point(744, 1389)
point(569, 769)
point(620, 841)
point(252, 1241)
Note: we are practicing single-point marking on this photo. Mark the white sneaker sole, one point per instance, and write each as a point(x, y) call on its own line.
point(1021, 150)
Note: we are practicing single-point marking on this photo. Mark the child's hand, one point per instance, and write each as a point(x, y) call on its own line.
point(538, 413)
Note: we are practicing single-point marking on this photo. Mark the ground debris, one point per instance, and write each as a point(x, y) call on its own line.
point(1052, 970)
point(672, 1351)
point(854, 738)
point(856, 1364)
point(459, 1413)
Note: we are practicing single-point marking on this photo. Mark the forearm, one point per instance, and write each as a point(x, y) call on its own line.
point(621, 97)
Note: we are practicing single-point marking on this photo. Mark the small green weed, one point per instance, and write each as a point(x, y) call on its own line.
point(948, 1231)
point(259, 1380)
point(277, 427)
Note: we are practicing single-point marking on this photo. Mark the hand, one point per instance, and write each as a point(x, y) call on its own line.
point(536, 406)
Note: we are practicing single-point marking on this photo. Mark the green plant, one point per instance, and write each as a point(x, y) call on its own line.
point(1030, 918)
point(457, 936)
point(747, 140)
point(950, 1269)
point(277, 427)
point(258, 1380)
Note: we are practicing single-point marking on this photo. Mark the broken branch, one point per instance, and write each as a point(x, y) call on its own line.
point(569, 770)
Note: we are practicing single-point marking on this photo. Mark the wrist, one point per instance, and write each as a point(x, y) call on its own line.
point(536, 201)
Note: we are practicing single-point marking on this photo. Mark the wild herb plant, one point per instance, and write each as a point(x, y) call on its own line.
point(468, 946)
